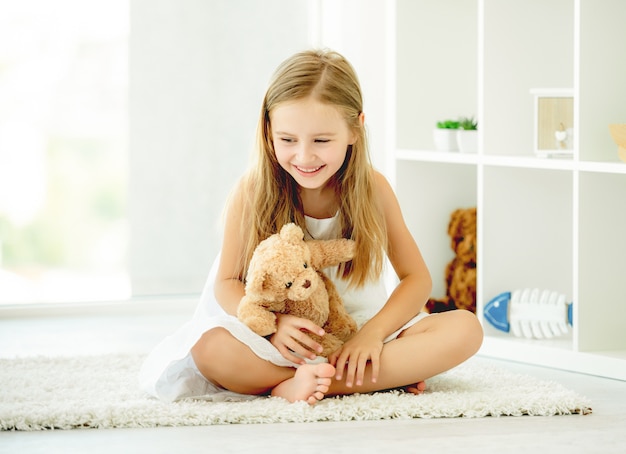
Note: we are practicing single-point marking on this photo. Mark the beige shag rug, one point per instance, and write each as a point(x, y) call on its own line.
point(101, 392)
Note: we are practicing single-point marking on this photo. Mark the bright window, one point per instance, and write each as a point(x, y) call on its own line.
point(63, 150)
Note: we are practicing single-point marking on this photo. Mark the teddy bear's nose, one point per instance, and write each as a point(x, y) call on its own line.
point(306, 284)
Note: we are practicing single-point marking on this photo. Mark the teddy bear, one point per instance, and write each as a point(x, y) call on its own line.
point(284, 276)
point(461, 271)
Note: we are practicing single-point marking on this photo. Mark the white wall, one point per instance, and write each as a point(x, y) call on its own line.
point(198, 71)
point(357, 29)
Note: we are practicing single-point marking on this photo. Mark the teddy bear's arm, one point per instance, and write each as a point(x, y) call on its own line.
point(339, 322)
point(258, 318)
point(325, 253)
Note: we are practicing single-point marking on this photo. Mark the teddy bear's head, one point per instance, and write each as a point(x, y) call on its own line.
point(281, 269)
point(462, 231)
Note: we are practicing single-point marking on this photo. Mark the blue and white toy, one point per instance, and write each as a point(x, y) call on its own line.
point(530, 313)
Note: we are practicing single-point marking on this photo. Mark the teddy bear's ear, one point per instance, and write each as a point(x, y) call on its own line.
point(291, 233)
point(455, 218)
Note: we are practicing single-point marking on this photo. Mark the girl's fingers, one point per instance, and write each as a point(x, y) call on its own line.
point(353, 368)
point(302, 324)
point(305, 339)
point(332, 358)
point(311, 327)
point(351, 371)
point(340, 365)
point(360, 370)
point(375, 369)
point(289, 355)
point(292, 335)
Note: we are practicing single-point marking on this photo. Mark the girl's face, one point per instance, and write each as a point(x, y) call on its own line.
point(310, 140)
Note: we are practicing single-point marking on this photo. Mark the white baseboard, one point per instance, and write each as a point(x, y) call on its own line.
point(133, 306)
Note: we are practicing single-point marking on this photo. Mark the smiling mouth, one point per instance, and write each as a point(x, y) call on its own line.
point(308, 169)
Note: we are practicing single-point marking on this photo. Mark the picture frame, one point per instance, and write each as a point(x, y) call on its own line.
point(553, 122)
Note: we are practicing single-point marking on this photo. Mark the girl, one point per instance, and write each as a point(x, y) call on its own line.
point(313, 168)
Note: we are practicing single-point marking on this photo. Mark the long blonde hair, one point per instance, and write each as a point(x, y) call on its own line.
point(274, 197)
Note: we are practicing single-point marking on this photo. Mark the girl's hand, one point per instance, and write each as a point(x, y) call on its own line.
point(291, 338)
point(353, 356)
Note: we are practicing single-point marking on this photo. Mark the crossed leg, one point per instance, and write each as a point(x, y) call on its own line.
point(431, 346)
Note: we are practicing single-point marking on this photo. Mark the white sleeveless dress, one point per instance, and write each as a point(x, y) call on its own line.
point(169, 372)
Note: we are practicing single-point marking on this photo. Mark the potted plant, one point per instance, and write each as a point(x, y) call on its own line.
point(467, 135)
point(444, 135)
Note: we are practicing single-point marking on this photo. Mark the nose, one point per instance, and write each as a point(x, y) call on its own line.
point(306, 284)
point(305, 153)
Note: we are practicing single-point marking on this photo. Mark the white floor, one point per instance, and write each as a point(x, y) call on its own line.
point(604, 431)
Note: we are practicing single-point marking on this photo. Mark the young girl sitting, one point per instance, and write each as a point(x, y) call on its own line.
point(313, 168)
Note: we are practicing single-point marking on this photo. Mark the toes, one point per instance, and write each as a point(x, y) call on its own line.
point(315, 397)
point(417, 388)
point(324, 381)
point(325, 370)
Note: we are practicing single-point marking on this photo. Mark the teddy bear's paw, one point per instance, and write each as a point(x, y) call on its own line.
point(348, 249)
point(261, 327)
point(330, 343)
point(262, 322)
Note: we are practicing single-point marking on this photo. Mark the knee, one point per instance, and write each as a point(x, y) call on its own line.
point(206, 350)
point(469, 327)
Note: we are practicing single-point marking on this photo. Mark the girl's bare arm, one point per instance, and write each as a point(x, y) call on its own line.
point(406, 301)
point(415, 286)
point(291, 335)
point(229, 287)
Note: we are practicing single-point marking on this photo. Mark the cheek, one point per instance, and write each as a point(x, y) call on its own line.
point(282, 154)
point(337, 156)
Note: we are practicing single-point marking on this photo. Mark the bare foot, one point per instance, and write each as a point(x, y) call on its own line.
point(310, 383)
point(417, 388)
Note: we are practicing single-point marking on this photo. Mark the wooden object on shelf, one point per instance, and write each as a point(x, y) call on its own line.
point(618, 132)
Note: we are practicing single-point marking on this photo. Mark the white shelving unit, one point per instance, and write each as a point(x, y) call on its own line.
point(558, 224)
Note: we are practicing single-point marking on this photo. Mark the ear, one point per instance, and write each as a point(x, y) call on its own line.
point(454, 221)
point(291, 233)
point(355, 136)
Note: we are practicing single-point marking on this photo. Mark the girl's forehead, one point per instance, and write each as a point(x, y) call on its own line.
point(308, 110)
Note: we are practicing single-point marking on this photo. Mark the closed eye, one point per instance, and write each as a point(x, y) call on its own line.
point(322, 140)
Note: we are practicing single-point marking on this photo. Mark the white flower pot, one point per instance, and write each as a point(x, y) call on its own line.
point(467, 140)
point(445, 139)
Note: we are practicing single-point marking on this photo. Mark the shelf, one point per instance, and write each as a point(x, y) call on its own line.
point(553, 222)
point(527, 162)
point(603, 167)
point(610, 364)
point(453, 157)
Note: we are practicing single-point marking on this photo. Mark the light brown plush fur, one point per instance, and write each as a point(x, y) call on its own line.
point(284, 276)
point(461, 271)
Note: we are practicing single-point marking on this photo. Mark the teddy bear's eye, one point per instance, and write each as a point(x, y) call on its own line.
point(306, 266)
point(288, 284)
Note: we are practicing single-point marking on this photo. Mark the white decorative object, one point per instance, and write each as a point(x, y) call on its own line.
point(467, 141)
point(530, 313)
point(445, 139)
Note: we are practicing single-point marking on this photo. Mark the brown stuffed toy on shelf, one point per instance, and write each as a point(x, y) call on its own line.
point(285, 277)
point(461, 271)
